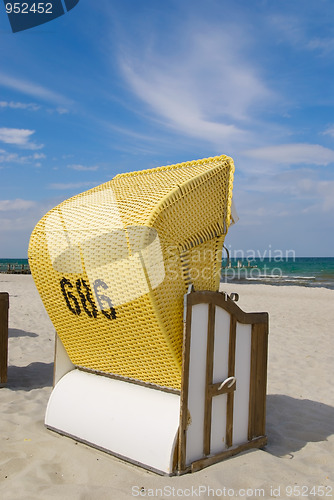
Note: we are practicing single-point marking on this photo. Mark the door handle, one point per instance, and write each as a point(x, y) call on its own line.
point(227, 384)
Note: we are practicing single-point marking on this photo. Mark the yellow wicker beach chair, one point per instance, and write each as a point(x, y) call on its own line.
point(112, 265)
point(146, 368)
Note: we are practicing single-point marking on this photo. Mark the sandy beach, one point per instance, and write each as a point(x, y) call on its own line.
point(298, 461)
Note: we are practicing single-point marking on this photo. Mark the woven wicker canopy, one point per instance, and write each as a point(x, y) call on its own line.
point(112, 265)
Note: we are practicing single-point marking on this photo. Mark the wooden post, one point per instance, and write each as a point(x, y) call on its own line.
point(231, 373)
point(4, 305)
point(209, 375)
point(258, 381)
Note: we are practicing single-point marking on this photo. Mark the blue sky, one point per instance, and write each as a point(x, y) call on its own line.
point(117, 86)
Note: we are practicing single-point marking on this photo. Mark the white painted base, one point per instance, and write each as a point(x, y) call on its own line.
point(134, 422)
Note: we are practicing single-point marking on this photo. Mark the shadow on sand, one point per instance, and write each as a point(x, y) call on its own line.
point(292, 423)
point(34, 376)
point(14, 332)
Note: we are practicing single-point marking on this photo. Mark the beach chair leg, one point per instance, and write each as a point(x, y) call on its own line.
point(62, 364)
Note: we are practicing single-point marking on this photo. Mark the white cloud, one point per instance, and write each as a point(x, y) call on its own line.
point(290, 154)
point(15, 158)
point(30, 106)
point(33, 89)
point(19, 137)
point(205, 90)
point(19, 216)
point(82, 168)
point(62, 111)
point(298, 191)
point(294, 30)
point(59, 110)
point(320, 195)
point(288, 29)
point(72, 185)
point(324, 45)
point(274, 211)
point(329, 131)
point(18, 204)
point(8, 157)
point(326, 192)
point(19, 105)
point(38, 156)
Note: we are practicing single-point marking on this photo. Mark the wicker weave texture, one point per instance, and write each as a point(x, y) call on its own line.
point(112, 265)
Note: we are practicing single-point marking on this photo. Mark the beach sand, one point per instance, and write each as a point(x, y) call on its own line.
point(36, 463)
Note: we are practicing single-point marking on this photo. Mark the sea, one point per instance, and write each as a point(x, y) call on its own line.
point(298, 271)
point(19, 266)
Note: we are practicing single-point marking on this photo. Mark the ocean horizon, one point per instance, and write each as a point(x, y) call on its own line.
point(299, 271)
